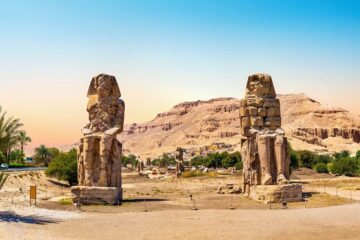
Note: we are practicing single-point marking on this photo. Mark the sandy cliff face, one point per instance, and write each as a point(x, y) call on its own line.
point(308, 124)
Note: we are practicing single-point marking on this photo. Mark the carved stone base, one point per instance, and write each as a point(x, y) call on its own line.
point(96, 195)
point(276, 193)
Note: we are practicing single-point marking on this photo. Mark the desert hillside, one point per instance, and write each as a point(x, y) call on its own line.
point(201, 126)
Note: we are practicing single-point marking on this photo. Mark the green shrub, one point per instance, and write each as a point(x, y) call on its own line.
point(307, 159)
point(163, 161)
point(342, 154)
point(358, 154)
point(17, 165)
point(198, 160)
point(54, 152)
point(330, 167)
point(230, 160)
point(216, 160)
point(294, 160)
point(64, 167)
point(345, 166)
point(131, 159)
point(321, 167)
point(324, 158)
point(239, 165)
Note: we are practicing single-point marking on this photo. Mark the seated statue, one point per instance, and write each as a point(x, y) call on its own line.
point(263, 145)
point(99, 151)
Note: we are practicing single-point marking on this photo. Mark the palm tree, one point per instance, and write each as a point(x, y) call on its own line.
point(23, 139)
point(17, 156)
point(9, 130)
point(42, 155)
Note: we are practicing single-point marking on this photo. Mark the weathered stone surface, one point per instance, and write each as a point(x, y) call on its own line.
point(179, 158)
point(315, 135)
point(276, 193)
point(148, 162)
point(96, 195)
point(140, 166)
point(99, 152)
point(264, 145)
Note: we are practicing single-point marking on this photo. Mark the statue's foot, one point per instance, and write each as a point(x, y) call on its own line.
point(267, 180)
point(88, 183)
point(281, 179)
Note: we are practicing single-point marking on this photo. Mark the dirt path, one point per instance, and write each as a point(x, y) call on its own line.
point(340, 222)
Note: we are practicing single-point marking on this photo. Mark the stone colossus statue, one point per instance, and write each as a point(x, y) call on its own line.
point(99, 151)
point(264, 147)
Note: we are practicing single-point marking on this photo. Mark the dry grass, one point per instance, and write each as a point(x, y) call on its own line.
point(326, 200)
point(345, 184)
point(190, 174)
point(66, 201)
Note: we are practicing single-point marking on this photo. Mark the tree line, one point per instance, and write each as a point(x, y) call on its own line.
point(64, 165)
point(340, 163)
point(211, 160)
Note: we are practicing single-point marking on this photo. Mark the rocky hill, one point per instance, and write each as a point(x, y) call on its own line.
point(215, 124)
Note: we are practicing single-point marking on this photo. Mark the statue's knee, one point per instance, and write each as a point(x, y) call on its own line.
point(279, 140)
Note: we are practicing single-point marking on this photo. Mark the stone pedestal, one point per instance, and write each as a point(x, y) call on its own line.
point(96, 195)
point(276, 193)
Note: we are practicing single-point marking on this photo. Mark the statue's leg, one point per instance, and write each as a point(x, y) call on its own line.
point(280, 157)
point(244, 157)
point(88, 151)
point(265, 157)
point(81, 170)
point(105, 147)
point(116, 164)
point(119, 154)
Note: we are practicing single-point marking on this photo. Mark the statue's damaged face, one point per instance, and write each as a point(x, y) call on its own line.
point(104, 87)
point(260, 85)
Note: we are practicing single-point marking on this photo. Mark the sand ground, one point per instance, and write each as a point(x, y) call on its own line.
point(340, 222)
point(168, 216)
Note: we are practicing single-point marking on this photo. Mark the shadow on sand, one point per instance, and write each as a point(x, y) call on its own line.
point(9, 216)
point(60, 184)
point(144, 200)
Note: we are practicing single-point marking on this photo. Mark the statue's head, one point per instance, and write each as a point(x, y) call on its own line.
point(260, 85)
point(104, 86)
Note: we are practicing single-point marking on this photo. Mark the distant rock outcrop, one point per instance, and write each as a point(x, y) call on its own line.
point(308, 125)
point(315, 135)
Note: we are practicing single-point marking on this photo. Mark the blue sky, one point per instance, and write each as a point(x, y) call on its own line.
point(165, 52)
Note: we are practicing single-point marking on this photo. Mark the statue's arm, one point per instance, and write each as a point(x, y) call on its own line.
point(119, 119)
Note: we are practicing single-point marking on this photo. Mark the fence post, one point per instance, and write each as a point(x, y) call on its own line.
point(194, 206)
point(78, 205)
point(231, 206)
point(145, 208)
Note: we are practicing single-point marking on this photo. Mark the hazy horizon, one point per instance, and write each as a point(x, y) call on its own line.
point(166, 52)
